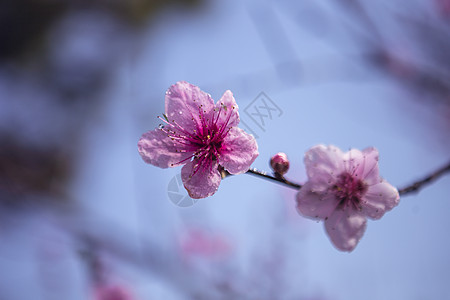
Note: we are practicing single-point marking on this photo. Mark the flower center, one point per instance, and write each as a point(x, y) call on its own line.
point(349, 190)
point(209, 143)
point(205, 141)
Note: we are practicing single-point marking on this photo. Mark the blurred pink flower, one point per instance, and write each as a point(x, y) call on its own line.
point(198, 242)
point(443, 7)
point(111, 292)
point(202, 136)
point(343, 189)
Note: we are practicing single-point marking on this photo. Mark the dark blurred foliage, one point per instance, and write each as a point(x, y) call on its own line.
point(419, 56)
point(63, 53)
point(25, 170)
point(23, 24)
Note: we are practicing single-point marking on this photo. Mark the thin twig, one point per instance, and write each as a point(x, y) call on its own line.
point(278, 178)
point(416, 186)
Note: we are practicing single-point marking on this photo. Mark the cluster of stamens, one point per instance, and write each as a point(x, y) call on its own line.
point(205, 142)
point(349, 190)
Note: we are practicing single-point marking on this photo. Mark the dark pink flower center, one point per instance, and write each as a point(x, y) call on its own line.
point(349, 190)
point(205, 142)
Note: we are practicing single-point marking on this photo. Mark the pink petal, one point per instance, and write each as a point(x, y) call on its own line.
point(345, 228)
point(239, 150)
point(378, 199)
point(202, 183)
point(156, 148)
point(186, 104)
point(315, 205)
point(226, 111)
point(323, 164)
point(363, 164)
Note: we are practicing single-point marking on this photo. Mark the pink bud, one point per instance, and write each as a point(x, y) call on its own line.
point(280, 163)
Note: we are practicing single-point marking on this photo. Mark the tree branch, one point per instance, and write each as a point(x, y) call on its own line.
point(414, 187)
point(277, 178)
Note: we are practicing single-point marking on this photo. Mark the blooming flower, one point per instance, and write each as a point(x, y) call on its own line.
point(343, 189)
point(202, 136)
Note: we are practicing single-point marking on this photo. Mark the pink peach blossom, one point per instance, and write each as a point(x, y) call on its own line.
point(201, 136)
point(343, 189)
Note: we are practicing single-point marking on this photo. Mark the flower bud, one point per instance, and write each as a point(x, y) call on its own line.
point(280, 163)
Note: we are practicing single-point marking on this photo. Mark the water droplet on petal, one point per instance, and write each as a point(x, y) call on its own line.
point(180, 112)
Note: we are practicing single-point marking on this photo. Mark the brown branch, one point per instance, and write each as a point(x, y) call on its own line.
point(277, 178)
point(416, 186)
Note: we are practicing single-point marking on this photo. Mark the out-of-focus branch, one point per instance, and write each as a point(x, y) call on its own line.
point(418, 185)
point(151, 257)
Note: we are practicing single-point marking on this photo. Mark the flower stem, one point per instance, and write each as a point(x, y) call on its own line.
point(416, 186)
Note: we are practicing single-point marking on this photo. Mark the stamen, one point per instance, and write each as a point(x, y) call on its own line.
point(349, 190)
point(202, 119)
point(221, 131)
point(181, 161)
point(214, 123)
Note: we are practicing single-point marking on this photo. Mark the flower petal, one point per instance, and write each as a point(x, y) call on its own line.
point(203, 182)
point(323, 164)
point(239, 150)
point(156, 148)
point(186, 105)
point(315, 205)
point(378, 199)
point(345, 228)
point(226, 111)
point(363, 164)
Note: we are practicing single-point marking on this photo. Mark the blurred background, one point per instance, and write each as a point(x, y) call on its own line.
point(83, 217)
